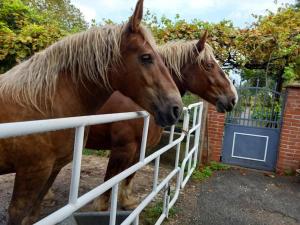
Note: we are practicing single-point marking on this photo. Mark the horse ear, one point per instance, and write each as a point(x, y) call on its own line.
point(201, 43)
point(136, 18)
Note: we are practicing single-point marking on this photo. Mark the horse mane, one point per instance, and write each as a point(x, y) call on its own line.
point(177, 53)
point(86, 56)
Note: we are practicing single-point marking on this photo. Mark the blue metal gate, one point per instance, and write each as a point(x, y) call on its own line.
point(252, 129)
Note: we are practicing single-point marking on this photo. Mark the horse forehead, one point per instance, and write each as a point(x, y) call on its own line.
point(136, 43)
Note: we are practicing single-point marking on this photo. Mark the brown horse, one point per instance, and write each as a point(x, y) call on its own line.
point(194, 68)
point(75, 77)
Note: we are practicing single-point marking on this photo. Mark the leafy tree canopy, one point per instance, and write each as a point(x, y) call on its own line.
point(272, 44)
point(26, 27)
point(63, 12)
point(268, 49)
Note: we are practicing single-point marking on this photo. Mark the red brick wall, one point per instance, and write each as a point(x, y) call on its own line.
point(215, 127)
point(289, 149)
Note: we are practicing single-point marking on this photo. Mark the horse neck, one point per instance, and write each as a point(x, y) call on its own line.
point(180, 83)
point(79, 99)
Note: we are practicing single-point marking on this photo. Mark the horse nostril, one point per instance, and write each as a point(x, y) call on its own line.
point(176, 112)
point(233, 101)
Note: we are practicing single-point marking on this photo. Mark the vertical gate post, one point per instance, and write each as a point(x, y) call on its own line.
point(76, 164)
point(289, 148)
point(215, 130)
point(202, 152)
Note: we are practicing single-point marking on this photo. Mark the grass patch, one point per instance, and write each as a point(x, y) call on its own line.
point(151, 213)
point(207, 171)
point(101, 153)
point(215, 166)
point(202, 173)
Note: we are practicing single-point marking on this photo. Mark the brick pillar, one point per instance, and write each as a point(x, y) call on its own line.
point(215, 127)
point(289, 148)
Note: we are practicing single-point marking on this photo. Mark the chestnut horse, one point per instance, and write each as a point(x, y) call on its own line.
point(195, 69)
point(75, 77)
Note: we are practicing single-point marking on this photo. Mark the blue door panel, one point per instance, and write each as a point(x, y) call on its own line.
point(253, 147)
point(249, 145)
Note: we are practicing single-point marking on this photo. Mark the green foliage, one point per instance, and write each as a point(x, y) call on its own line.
point(152, 213)
point(252, 76)
point(101, 153)
point(189, 98)
point(207, 171)
point(202, 174)
point(267, 49)
point(26, 28)
point(265, 106)
point(165, 29)
point(222, 35)
point(61, 12)
point(263, 113)
point(290, 72)
point(297, 5)
point(216, 166)
point(272, 44)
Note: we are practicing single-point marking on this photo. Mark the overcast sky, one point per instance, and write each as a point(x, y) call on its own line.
point(239, 11)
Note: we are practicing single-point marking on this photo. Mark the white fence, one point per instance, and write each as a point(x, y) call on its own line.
point(182, 171)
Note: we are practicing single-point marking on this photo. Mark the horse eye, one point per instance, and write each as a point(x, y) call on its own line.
point(210, 65)
point(146, 58)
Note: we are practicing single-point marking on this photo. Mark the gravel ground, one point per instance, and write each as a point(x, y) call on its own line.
point(92, 174)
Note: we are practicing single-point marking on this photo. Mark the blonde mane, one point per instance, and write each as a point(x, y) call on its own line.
point(86, 56)
point(177, 53)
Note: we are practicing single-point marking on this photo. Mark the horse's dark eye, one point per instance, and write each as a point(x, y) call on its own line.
point(146, 58)
point(209, 65)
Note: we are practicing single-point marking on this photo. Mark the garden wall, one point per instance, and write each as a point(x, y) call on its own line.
point(289, 147)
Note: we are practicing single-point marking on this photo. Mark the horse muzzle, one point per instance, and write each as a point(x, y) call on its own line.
point(168, 114)
point(226, 103)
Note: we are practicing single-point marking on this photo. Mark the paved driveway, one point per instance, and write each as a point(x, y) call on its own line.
point(241, 197)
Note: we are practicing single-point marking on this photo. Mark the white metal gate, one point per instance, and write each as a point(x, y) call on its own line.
point(181, 171)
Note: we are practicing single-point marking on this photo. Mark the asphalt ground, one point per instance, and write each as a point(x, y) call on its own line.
point(240, 197)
